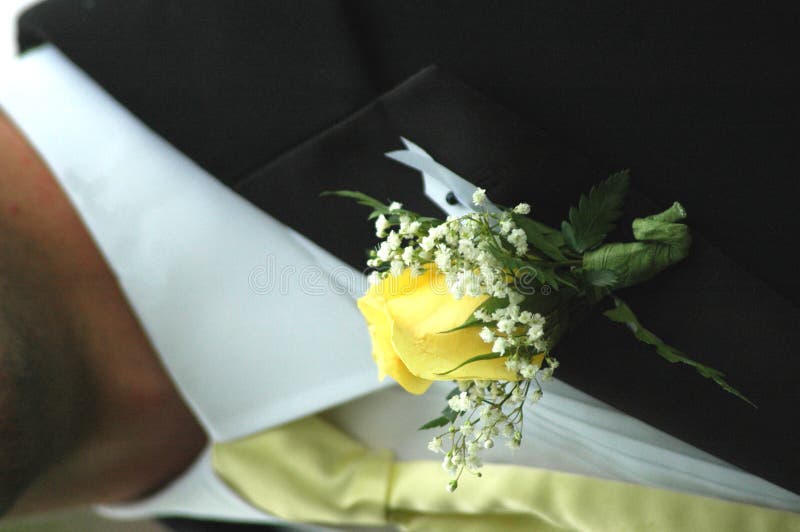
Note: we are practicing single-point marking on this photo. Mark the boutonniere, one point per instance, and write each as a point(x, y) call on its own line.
point(484, 298)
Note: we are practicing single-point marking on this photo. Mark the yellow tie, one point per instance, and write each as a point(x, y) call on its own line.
point(309, 471)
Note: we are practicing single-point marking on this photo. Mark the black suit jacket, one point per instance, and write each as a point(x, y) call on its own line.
point(277, 100)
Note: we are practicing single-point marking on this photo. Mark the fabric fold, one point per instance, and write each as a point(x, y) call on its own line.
point(309, 471)
point(220, 287)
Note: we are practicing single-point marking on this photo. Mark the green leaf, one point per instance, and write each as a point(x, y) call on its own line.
point(551, 277)
point(360, 197)
point(541, 303)
point(596, 213)
point(661, 241)
point(622, 313)
point(539, 236)
point(438, 422)
point(553, 235)
point(490, 305)
point(508, 259)
point(452, 393)
point(603, 278)
point(477, 358)
point(449, 414)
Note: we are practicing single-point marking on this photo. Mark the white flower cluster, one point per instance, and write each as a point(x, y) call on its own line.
point(513, 332)
point(490, 410)
point(470, 252)
point(398, 251)
point(465, 250)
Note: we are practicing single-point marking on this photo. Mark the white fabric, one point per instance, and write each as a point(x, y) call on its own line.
point(439, 181)
point(196, 261)
point(191, 257)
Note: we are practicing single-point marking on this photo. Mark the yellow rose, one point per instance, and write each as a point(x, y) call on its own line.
point(406, 317)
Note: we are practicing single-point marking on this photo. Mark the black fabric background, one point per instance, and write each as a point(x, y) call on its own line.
point(707, 305)
point(700, 102)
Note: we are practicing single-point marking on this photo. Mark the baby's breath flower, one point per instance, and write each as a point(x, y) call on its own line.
point(506, 226)
point(535, 327)
point(499, 314)
point(487, 335)
point(500, 345)
point(479, 197)
point(397, 267)
point(438, 231)
point(471, 448)
point(435, 445)
point(496, 390)
point(535, 332)
point(512, 364)
point(472, 284)
point(514, 441)
point(384, 251)
point(490, 414)
point(427, 243)
point(395, 206)
point(506, 326)
point(473, 463)
point(528, 371)
point(381, 225)
point(519, 240)
point(482, 315)
point(457, 287)
point(393, 240)
point(517, 395)
point(522, 208)
point(460, 402)
point(499, 289)
point(408, 254)
point(442, 257)
point(449, 466)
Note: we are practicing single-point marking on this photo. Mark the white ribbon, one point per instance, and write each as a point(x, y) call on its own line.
point(439, 180)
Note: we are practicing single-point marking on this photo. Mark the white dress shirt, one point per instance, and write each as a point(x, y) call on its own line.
point(258, 326)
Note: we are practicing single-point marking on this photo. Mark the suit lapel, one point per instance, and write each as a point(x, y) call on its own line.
point(707, 306)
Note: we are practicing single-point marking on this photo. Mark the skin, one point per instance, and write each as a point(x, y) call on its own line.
point(141, 434)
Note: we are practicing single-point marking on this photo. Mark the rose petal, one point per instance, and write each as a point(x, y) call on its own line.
point(373, 307)
point(420, 309)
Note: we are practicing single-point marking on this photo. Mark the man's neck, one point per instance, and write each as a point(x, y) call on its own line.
point(142, 433)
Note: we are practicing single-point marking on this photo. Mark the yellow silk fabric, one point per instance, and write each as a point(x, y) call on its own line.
point(309, 471)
